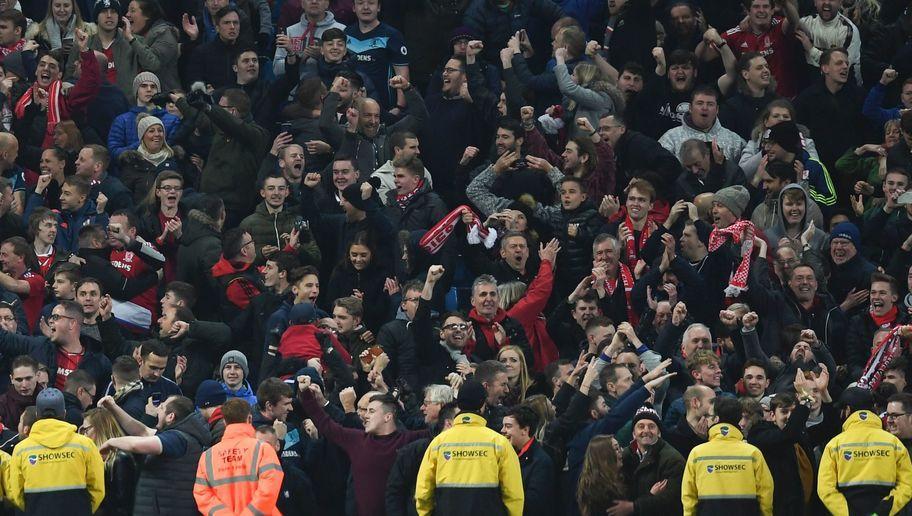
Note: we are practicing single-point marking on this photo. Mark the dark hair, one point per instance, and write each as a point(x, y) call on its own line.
point(89, 279)
point(153, 347)
point(488, 370)
point(299, 273)
point(389, 403)
point(58, 153)
point(585, 146)
point(886, 278)
point(351, 304)
point(238, 99)
point(81, 185)
point(29, 416)
point(634, 68)
point(152, 10)
point(414, 166)
point(706, 90)
point(525, 417)
point(233, 242)
point(552, 370)
point(183, 314)
point(310, 92)
point(100, 154)
point(331, 34)
point(397, 139)
point(903, 398)
point(211, 205)
point(224, 11)
point(125, 368)
point(180, 406)
point(272, 390)
point(24, 361)
point(780, 400)
point(235, 410)
point(130, 215)
point(354, 78)
point(285, 261)
point(753, 362)
point(682, 57)
point(78, 378)
point(22, 249)
point(512, 125)
point(237, 55)
point(183, 292)
point(782, 171)
point(728, 410)
point(17, 19)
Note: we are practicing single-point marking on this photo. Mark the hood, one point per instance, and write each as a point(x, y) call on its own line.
point(195, 426)
point(243, 390)
point(780, 215)
point(326, 23)
point(52, 433)
point(199, 225)
point(725, 431)
point(223, 267)
point(862, 419)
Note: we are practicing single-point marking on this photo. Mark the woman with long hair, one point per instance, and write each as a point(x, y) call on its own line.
point(121, 472)
point(58, 28)
point(587, 94)
point(362, 274)
point(161, 217)
point(147, 19)
point(779, 110)
point(517, 373)
point(600, 483)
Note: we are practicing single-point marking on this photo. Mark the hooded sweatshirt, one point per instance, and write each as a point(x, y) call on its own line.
point(729, 141)
point(303, 34)
point(777, 229)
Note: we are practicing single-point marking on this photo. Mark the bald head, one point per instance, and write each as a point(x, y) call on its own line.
point(9, 149)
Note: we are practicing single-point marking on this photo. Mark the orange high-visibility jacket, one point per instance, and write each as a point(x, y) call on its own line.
point(239, 475)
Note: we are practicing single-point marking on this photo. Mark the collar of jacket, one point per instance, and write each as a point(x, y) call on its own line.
point(235, 430)
point(725, 432)
point(862, 419)
point(470, 418)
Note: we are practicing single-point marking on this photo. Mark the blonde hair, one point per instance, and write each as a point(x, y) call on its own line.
point(590, 77)
point(509, 293)
point(542, 406)
point(524, 379)
point(106, 427)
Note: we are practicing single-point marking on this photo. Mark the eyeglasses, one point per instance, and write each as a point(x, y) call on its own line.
point(456, 326)
point(169, 188)
point(57, 317)
point(246, 244)
point(411, 299)
point(452, 70)
point(7, 318)
point(84, 429)
point(893, 415)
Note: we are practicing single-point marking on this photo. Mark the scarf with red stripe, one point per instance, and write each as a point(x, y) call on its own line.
point(737, 282)
point(53, 110)
point(631, 245)
point(888, 349)
point(6, 50)
point(403, 199)
point(433, 240)
point(626, 279)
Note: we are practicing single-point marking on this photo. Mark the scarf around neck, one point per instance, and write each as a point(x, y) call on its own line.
point(403, 200)
point(156, 158)
point(53, 31)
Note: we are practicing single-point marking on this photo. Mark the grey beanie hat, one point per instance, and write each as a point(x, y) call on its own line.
point(735, 198)
point(235, 357)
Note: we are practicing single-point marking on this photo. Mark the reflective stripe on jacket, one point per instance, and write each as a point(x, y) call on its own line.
point(238, 476)
point(726, 476)
point(863, 465)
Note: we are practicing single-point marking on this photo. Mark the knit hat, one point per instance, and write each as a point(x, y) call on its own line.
point(735, 198)
point(102, 5)
point(786, 134)
point(235, 357)
point(144, 122)
point(210, 393)
point(847, 231)
point(352, 194)
point(50, 404)
point(462, 32)
point(142, 77)
point(472, 396)
point(302, 313)
point(647, 412)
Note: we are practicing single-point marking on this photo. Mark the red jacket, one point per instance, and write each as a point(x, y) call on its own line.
point(528, 311)
point(239, 289)
point(300, 341)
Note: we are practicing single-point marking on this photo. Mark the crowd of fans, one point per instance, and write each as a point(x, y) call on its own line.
point(521, 257)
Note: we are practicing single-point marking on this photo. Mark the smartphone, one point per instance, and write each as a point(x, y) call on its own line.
point(285, 127)
point(156, 398)
point(372, 353)
point(301, 224)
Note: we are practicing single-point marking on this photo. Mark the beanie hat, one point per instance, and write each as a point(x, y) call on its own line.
point(50, 404)
point(735, 198)
point(144, 122)
point(102, 5)
point(647, 412)
point(352, 194)
point(142, 77)
point(848, 231)
point(210, 393)
point(462, 32)
point(472, 396)
point(314, 375)
point(235, 357)
point(785, 134)
point(302, 313)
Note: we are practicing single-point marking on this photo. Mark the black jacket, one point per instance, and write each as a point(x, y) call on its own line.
point(398, 342)
point(120, 486)
point(835, 120)
point(539, 480)
point(212, 63)
point(636, 152)
point(200, 248)
point(859, 341)
point(370, 282)
point(739, 112)
point(434, 361)
point(400, 485)
point(683, 438)
point(663, 462)
point(44, 351)
point(688, 185)
point(778, 447)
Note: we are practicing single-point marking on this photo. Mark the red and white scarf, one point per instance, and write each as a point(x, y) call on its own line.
point(737, 283)
point(888, 349)
point(6, 50)
point(433, 240)
point(53, 110)
point(626, 279)
point(631, 245)
point(404, 199)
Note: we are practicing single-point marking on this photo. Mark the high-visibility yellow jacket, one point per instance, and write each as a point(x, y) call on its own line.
point(726, 476)
point(862, 466)
point(469, 470)
point(56, 471)
point(238, 476)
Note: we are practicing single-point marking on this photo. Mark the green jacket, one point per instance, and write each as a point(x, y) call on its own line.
point(267, 229)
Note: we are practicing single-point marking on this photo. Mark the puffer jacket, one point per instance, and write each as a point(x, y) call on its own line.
point(200, 248)
point(267, 229)
point(662, 462)
point(138, 175)
point(55, 467)
point(862, 466)
point(68, 222)
point(123, 135)
point(576, 250)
